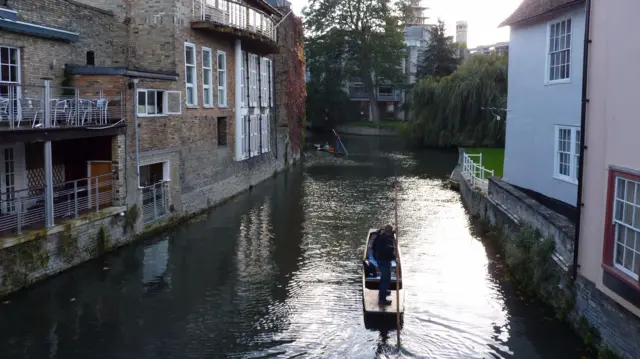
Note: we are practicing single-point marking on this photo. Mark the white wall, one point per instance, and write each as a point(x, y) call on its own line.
point(535, 107)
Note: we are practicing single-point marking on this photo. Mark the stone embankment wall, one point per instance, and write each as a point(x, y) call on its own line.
point(598, 318)
point(366, 131)
point(35, 255)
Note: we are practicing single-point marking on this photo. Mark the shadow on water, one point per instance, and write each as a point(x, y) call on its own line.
point(275, 273)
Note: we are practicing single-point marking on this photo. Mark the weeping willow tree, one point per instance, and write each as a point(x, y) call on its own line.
point(452, 110)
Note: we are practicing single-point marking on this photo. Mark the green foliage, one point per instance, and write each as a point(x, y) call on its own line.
point(440, 58)
point(604, 352)
point(359, 39)
point(130, 218)
point(449, 111)
point(34, 255)
point(67, 246)
point(103, 240)
point(327, 102)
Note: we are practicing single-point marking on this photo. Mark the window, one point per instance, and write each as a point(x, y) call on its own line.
point(626, 225)
point(159, 103)
point(567, 153)
point(207, 78)
point(190, 74)
point(222, 131)
point(264, 83)
point(265, 139)
point(253, 80)
point(9, 70)
point(222, 79)
point(559, 58)
point(270, 69)
point(91, 58)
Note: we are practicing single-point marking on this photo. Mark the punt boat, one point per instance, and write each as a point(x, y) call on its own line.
point(371, 282)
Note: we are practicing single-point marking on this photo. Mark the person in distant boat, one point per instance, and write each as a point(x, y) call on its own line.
point(384, 252)
point(326, 146)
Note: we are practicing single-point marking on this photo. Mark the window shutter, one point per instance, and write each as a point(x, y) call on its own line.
point(173, 102)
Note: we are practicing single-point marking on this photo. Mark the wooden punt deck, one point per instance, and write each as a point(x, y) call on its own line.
point(370, 285)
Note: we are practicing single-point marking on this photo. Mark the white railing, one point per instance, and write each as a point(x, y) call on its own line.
point(236, 15)
point(25, 209)
point(475, 172)
point(155, 202)
point(25, 106)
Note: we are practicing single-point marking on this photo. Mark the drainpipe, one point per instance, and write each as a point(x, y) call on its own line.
point(135, 125)
point(237, 60)
point(583, 120)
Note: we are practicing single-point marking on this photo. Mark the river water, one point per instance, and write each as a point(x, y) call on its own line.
point(275, 273)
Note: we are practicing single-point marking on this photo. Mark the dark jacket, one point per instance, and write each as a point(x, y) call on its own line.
point(384, 247)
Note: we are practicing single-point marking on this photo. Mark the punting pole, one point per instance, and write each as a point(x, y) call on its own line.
point(397, 261)
point(339, 142)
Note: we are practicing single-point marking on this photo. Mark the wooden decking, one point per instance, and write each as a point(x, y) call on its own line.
point(371, 306)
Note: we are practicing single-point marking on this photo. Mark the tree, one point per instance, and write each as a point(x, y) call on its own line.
point(327, 101)
point(440, 58)
point(371, 40)
point(450, 111)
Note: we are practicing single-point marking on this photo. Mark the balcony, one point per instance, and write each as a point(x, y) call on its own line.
point(28, 112)
point(236, 20)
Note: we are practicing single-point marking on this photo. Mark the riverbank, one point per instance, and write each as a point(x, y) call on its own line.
point(277, 272)
point(35, 255)
point(389, 128)
point(538, 247)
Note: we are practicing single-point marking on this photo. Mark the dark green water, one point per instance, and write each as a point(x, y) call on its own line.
point(275, 274)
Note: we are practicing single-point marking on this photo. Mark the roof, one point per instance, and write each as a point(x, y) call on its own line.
point(530, 9)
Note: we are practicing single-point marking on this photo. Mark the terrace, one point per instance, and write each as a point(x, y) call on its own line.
point(236, 20)
point(63, 112)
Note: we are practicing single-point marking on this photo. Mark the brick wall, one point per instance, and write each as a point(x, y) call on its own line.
point(99, 32)
point(287, 45)
point(619, 328)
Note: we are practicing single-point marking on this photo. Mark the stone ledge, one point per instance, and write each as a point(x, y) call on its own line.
point(557, 220)
point(8, 242)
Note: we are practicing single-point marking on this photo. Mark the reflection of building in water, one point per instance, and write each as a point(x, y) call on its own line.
point(254, 244)
point(156, 258)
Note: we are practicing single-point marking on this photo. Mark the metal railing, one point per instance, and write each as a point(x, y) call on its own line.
point(475, 172)
point(42, 106)
point(25, 209)
point(155, 202)
point(236, 15)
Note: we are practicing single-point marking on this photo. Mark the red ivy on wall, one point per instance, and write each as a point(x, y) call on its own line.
point(296, 90)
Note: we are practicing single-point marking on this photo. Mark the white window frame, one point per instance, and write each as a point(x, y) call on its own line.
point(193, 67)
point(166, 171)
point(207, 101)
point(165, 102)
point(253, 80)
point(574, 154)
point(243, 80)
point(619, 223)
point(549, 53)
point(222, 72)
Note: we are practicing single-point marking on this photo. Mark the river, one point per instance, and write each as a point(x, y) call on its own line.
point(275, 273)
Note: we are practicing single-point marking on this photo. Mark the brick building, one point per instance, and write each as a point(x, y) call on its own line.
point(166, 105)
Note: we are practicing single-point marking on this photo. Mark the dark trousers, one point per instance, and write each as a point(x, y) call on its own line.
point(385, 279)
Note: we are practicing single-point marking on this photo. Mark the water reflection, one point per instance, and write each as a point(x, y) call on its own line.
point(276, 273)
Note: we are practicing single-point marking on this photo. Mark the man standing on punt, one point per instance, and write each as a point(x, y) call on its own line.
point(384, 252)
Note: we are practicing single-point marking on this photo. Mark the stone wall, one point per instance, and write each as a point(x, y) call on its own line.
point(618, 327)
point(35, 256)
point(366, 131)
point(43, 57)
point(508, 208)
point(549, 223)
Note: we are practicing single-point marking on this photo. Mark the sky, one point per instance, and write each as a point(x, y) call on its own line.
point(482, 16)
